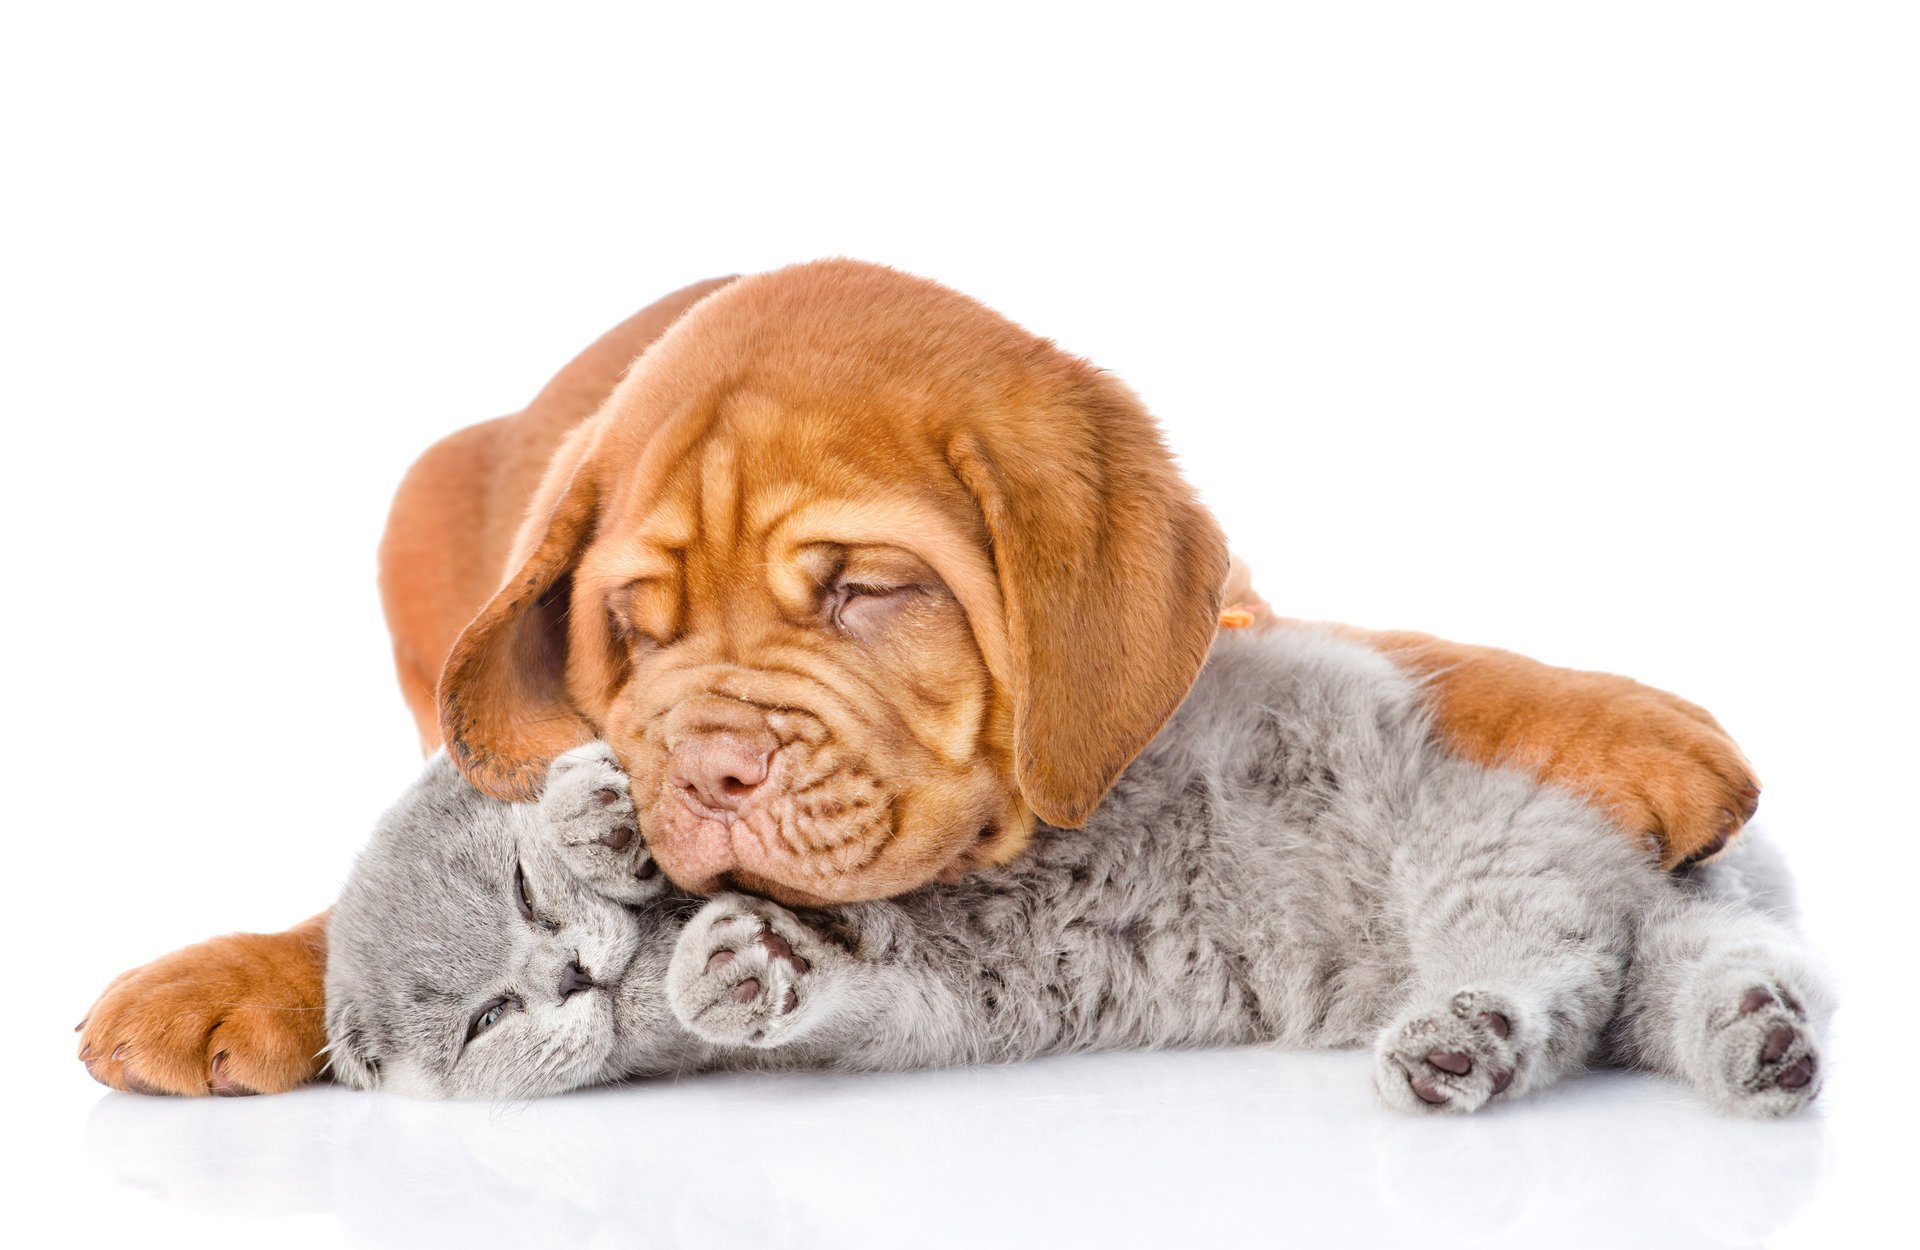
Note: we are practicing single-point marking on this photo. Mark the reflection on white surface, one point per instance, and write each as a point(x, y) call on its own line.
point(1130, 1149)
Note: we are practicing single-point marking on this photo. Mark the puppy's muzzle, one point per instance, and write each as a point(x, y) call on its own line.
point(718, 772)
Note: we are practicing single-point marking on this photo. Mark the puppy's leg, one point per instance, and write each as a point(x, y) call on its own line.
point(241, 1014)
point(1727, 999)
point(1662, 766)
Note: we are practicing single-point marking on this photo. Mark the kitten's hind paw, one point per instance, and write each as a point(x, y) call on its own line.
point(588, 814)
point(746, 972)
point(1757, 1054)
point(1453, 1058)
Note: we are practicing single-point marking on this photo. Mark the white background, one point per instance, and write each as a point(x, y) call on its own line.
point(1584, 330)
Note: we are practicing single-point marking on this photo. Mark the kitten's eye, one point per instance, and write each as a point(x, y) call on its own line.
point(525, 901)
point(492, 1014)
point(520, 892)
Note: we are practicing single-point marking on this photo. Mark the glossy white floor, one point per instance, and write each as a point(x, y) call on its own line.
point(1246, 1147)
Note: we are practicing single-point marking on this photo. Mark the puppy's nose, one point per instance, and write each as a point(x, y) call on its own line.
point(720, 769)
point(573, 979)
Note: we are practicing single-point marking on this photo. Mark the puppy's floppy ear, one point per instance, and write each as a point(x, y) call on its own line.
point(504, 708)
point(1111, 576)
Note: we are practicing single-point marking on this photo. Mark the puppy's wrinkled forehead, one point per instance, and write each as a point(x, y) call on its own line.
point(741, 500)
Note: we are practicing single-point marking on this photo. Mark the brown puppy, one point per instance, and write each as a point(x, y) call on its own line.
point(859, 579)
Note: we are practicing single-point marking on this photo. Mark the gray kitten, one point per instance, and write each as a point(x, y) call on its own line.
point(1294, 860)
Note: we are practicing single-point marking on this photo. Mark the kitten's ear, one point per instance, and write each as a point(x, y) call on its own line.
point(349, 1058)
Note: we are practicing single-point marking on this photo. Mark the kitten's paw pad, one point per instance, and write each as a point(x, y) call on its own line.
point(1451, 1059)
point(746, 972)
point(587, 798)
point(1762, 1058)
point(587, 808)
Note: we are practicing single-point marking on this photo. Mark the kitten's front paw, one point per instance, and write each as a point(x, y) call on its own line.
point(1454, 1058)
point(1757, 1054)
point(746, 972)
point(588, 813)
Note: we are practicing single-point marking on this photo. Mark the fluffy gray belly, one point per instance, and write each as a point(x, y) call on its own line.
point(1242, 881)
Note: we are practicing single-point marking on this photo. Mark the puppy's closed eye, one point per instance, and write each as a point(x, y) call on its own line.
point(861, 607)
point(861, 589)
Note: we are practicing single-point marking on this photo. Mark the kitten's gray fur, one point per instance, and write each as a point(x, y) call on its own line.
point(1292, 860)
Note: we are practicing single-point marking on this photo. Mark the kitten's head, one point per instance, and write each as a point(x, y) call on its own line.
point(466, 961)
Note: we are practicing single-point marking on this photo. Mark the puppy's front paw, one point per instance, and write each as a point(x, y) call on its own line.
point(240, 1014)
point(587, 810)
point(746, 972)
point(1451, 1058)
point(1662, 766)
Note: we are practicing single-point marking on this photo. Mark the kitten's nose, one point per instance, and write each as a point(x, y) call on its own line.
point(719, 770)
point(573, 979)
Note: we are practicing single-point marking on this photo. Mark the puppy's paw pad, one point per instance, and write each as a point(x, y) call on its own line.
point(1451, 1058)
